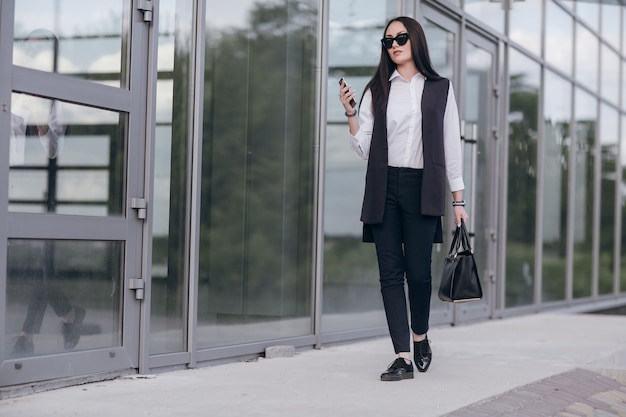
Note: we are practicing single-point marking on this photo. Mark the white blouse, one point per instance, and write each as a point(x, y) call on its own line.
point(404, 128)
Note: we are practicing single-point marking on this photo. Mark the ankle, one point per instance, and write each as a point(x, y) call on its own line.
point(419, 337)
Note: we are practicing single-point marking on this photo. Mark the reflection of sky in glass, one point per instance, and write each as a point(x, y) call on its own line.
point(559, 34)
point(525, 24)
point(557, 99)
point(68, 18)
point(355, 28)
point(609, 127)
point(89, 34)
point(587, 58)
point(488, 11)
point(610, 75)
point(519, 64)
point(585, 106)
point(589, 12)
point(441, 49)
point(610, 23)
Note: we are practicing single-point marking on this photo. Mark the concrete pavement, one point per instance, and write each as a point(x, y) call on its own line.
point(491, 368)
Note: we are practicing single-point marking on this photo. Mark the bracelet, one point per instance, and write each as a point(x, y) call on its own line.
point(351, 115)
point(458, 203)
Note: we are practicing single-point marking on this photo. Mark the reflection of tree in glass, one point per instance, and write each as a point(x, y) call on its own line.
point(257, 179)
point(522, 190)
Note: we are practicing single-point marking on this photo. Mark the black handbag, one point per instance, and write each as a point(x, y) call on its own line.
point(459, 280)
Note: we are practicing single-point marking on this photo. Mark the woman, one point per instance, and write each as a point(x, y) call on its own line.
point(408, 130)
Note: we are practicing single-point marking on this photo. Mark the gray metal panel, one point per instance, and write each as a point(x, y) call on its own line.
point(51, 226)
point(168, 360)
point(69, 364)
point(251, 348)
point(76, 90)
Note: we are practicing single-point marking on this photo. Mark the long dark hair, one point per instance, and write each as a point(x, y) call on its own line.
point(379, 84)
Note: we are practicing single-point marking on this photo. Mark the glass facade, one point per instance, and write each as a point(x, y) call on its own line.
point(201, 200)
point(609, 156)
point(172, 139)
point(524, 79)
point(586, 118)
point(257, 185)
point(557, 141)
point(351, 294)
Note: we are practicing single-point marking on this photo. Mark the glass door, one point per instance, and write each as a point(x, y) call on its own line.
point(470, 62)
point(479, 133)
point(73, 186)
point(443, 35)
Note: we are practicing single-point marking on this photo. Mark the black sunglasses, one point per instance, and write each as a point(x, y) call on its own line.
point(401, 39)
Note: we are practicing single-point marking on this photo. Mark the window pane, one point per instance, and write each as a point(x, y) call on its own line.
point(587, 58)
point(490, 12)
point(351, 290)
point(256, 230)
point(557, 142)
point(66, 155)
point(73, 37)
point(609, 78)
point(440, 48)
point(525, 24)
point(559, 34)
point(586, 119)
point(168, 310)
point(79, 280)
point(477, 153)
point(609, 130)
point(624, 29)
point(624, 72)
point(611, 23)
point(589, 11)
point(522, 180)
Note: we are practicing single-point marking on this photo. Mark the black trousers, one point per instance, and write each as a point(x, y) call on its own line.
point(404, 243)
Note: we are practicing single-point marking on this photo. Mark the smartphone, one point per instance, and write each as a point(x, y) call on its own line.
point(341, 83)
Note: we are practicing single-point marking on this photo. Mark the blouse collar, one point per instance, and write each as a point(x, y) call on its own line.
point(396, 74)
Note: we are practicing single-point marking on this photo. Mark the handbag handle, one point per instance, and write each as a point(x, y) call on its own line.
point(460, 239)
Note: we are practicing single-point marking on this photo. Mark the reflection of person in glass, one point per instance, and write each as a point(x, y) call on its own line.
point(408, 130)
point(29, 117)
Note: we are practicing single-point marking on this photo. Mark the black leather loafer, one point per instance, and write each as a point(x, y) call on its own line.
point(398, 371)
point(422, 355)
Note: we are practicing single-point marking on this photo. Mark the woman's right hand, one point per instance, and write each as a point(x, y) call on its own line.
point(346, 95)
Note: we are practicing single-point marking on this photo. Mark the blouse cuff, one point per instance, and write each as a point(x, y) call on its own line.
point(457, 184)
